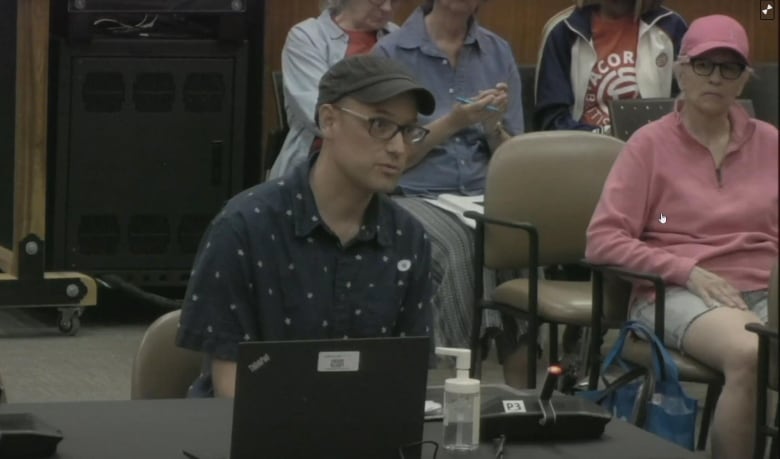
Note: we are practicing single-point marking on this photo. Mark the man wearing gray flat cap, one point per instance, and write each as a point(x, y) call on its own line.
point(320, 253)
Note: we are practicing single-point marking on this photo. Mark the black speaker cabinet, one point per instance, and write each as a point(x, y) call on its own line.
point(150, 144)
point(7, 114)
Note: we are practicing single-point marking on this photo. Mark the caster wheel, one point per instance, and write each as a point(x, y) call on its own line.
point(69, 325)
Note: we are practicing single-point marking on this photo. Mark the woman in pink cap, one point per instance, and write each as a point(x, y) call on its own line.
point(693, 197)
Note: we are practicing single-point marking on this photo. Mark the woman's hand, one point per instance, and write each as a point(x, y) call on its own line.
point(501, 102)
point(713, 289)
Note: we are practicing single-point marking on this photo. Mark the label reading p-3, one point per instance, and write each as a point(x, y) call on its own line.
point(338, 361)
point(514, 406)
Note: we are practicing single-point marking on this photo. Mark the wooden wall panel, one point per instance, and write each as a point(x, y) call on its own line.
point(520, 22)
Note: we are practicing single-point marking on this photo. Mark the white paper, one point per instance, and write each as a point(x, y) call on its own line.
point(458, 205)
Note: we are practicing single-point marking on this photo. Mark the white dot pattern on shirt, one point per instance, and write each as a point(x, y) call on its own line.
point(385, 259)
point(400, 283)
point(371, 285)
point(314, 218)
point(232, 307)
point(257, 210)
point(358, 257)
point(287, 321)
point(194, 297)
point(384, 330)
point(240, 253)
point(273, 237)
point(210, 329)
point(216, 274)
point(419, 305)
point(259, 263)
point(358, 312)
point(291, 267)
point(402, 334)
point(289, 213)
point(348, 284)
point(310, 240)
point(247, 337)
point(208, 244)
point(281, 182)
point(324, 323)
point(270, 291)
point(399, 232)
point(325, 268)
point(310, 295)
point(299, 196)
point(250, 193)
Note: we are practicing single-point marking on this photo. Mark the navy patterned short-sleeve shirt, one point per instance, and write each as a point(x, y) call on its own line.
point(268, 268)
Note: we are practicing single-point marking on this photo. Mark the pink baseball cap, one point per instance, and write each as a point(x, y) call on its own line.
point(715, 32)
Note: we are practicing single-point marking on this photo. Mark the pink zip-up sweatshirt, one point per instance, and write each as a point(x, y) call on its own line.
point(666, 208)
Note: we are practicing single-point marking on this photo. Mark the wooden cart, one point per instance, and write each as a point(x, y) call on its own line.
point(24, 282)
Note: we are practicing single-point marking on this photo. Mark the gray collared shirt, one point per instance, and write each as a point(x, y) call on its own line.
point(269, 268)
point(312, 47)
point(458, 165)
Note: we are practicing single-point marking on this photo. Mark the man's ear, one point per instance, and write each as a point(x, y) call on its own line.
point(327, 117)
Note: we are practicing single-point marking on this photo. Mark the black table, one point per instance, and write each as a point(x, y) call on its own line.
point(152, 429)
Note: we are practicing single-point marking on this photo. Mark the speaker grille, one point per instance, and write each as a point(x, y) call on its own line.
point(103, 92)
point(154, 92)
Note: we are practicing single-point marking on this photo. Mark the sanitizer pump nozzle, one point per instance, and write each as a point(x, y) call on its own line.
point(461, 404)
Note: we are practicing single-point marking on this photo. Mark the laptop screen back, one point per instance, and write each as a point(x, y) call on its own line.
point(355, 398)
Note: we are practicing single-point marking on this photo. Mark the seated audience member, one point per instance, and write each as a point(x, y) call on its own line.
point(321, 252)
point(604, 50)
point(345, 28)
point(693, 197)
point(449, 53)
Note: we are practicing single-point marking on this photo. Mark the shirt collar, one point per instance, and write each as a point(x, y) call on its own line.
point(377, 221)
point(742, 125)
point(335, 32)
point(416, 34)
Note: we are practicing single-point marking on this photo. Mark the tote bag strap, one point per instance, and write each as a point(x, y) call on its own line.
point(661, 356)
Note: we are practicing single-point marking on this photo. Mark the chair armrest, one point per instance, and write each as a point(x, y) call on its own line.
point(762, 330)
point(658, 285)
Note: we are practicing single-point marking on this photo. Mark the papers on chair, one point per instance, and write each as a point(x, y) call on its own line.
point(458, 205)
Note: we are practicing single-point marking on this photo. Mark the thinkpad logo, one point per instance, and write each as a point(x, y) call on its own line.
point(258, 364)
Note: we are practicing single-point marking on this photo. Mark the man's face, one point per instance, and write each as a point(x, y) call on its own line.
point(369, 162)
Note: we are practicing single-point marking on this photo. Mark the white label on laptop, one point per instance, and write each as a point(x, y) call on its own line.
point(514, 406)
point(338, 361)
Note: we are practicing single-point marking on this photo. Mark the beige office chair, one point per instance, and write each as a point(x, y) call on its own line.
point(541, 191)
point(767, 372)
point(611, 295)
point(631, 114)
point(161, 369)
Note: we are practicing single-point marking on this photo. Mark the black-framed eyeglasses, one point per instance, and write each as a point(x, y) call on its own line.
point(385, 129)
point(728, 70)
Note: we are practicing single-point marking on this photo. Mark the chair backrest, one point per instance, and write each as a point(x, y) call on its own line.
point(281, 113)
point(762, 90)
point(553, 180)
point(774, 291)
point(161, 369)
point(631, 114)
point(546, 29)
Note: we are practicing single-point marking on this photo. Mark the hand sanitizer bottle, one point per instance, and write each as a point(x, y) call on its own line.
point(461, 404)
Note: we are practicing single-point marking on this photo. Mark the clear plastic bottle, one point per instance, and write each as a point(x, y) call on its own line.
point(461, 405)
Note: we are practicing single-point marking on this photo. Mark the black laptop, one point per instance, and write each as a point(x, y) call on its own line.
point(346, 399)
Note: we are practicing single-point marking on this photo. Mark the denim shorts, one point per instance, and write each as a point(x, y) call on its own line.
point(683, 307)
